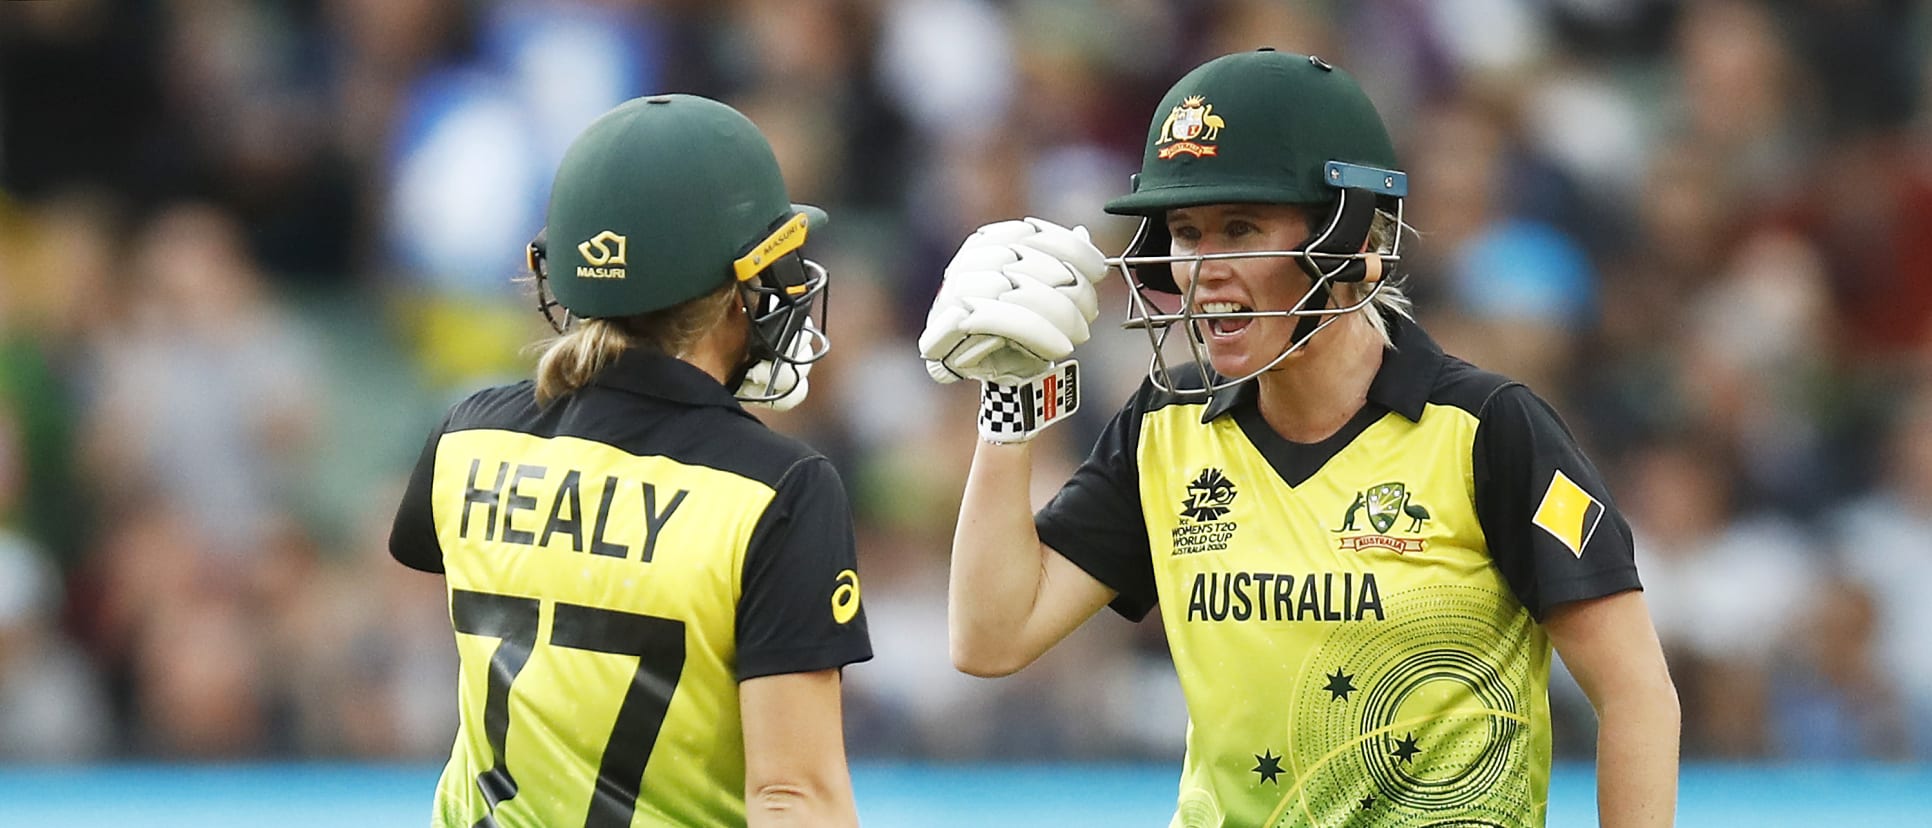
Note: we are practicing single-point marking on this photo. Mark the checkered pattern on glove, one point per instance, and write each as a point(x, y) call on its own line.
point(1014, 413)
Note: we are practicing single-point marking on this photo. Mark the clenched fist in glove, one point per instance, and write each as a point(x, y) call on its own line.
point(1017, 297)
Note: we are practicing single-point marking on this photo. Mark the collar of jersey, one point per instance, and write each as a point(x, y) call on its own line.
point(1402, 384)
point(665, 377)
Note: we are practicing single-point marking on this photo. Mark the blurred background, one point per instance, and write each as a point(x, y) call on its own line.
point(250, 250)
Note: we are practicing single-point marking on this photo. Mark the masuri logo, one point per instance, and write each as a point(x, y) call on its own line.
point(605, 253)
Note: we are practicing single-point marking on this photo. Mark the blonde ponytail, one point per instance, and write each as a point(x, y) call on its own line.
point(572, 358)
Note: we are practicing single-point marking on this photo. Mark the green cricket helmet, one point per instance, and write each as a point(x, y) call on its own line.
point(1262, 127)
point(690, 189)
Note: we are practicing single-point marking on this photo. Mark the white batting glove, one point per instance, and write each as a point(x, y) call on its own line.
point(780, 386)
point(1017, 297)
point(1070, 245)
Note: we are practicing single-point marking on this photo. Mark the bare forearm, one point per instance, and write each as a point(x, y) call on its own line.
point(795, 771)
point(996, 565)
point(1611, 647)
point(1637, 760)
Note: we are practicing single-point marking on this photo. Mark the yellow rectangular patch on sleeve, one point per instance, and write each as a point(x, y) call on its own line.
point(1569, 513)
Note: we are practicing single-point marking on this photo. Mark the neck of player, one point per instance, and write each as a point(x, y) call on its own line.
point(722, 348)
point(1317, 390)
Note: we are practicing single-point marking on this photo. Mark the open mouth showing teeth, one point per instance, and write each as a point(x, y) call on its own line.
point(1225, 327)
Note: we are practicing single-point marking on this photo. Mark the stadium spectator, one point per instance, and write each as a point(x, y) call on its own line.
point(1831, 699)
point(1721, 579)
point(1885, 545)
point(52, 707)
point(206, 394)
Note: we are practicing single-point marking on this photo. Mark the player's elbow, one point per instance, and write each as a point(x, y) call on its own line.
point(984, 660)
point(781, 797)
point(985, 669)
point(1645, 695)
point(797, 802)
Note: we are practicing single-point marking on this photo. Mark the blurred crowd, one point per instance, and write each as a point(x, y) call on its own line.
point(251, 249)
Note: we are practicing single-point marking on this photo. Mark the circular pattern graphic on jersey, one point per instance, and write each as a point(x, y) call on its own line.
point(1423, 719)
point(1470, 748)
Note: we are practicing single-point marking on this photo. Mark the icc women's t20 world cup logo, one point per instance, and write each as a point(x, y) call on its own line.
point(1209, 496)
point(1204, 524)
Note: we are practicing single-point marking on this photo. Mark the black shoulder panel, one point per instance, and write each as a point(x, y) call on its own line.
point(1465, 386)
point(641, 425)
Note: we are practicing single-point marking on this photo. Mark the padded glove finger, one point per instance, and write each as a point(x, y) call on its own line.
point(1019, 325)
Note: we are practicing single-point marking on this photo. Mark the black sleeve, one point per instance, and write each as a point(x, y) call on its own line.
point(412, 538)
point(1095, 519)
point(1552, 528)
point(799, 609)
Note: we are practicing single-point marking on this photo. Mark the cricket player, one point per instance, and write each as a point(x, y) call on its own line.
point(1362, 549)
point(652, 593)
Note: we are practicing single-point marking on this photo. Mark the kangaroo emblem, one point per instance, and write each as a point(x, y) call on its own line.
point(1348, 521)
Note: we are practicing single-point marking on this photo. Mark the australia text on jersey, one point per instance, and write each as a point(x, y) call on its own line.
point(1284, 596)
point(501, 503)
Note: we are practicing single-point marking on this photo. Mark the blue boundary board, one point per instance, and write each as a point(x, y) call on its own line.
point(924, 795)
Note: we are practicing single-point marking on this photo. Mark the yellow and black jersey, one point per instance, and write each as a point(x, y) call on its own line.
point(1354, 622)
point(617, 562)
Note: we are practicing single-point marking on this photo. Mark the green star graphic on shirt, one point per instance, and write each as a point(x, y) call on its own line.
point(1367, 802)
point(1405, 749)
point(1268, 765)
point(1341, 684)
